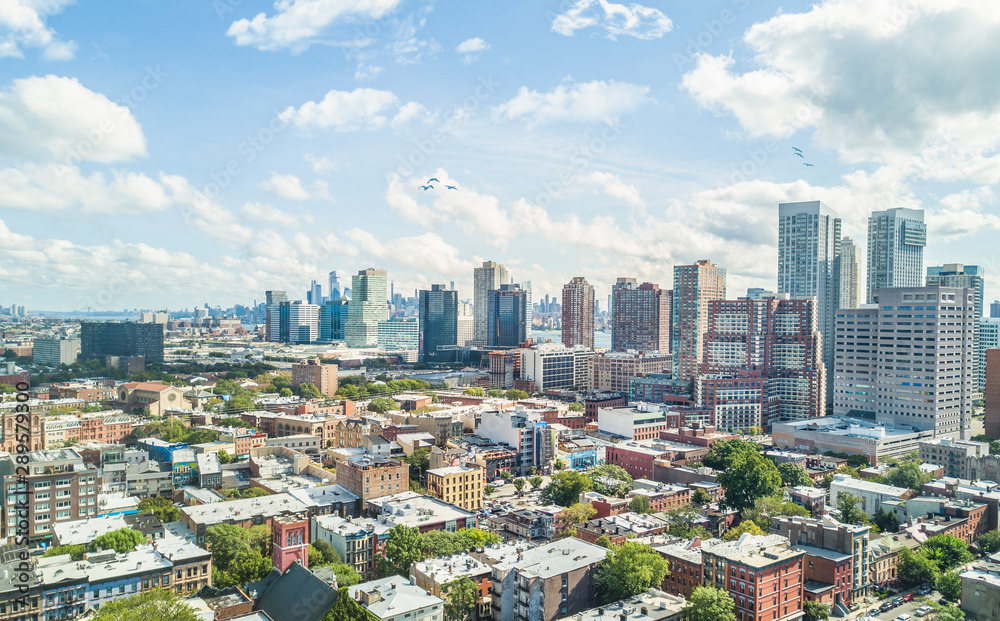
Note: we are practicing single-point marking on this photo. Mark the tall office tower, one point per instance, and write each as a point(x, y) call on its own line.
point(922, 352)
point(855, 370)
point(989, 338)
point(315, 294)
point(303, 322)
point(507, 316)
point(332, 319)
point(640, 317)
point(779, 338)
point(487, 278)
point(848, 269)
point(273, 298)
point(808, 246)
point(995, 308)
point(367, 307)
point(896, 240)
point(438, 325)
point(452, 286)
point(969, 277)
point(694, 287)
point(127, 339)
point(335, 291)
point(578, 313)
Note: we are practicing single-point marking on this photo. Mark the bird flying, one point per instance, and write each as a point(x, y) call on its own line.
point(432, 179)
point(800, 155)
point(806, 164)
point(451, 187)
point(797, 149)
point(426, 187)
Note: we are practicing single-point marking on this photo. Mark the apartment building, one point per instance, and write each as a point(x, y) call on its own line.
point(373, 476)
point(434, 574)
point(953, 455)
point(322, 376)
point(457, 485)
point(611, 371)
point(830, 535)
point(395, 599)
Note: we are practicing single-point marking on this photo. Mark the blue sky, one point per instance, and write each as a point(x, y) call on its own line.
point(159, 154)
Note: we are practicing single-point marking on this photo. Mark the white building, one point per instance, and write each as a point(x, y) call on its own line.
point(553, 365)
point(896, 240)
point(53, 352)
point(636, 421)
point(303, 323)
point(367, 307)
point(398, 333)
point(871, 494)
point(395, 599)
point(524, 431)
point(855, 364)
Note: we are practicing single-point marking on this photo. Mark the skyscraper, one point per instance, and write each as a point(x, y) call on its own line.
point(439, 325)
point(694, 287)
point(124, 339)
point(577, 313)
point(808, 246)
point(332, 319)
point(995, 308)
point(487, 278)
point(273, 299)
point(970, 277)
point(367, 307)
point(507, 313)
point(315, 293)
point(848, 269)
point(640, 317)
point(896, 240)
point(335, 291)
point(303, 322)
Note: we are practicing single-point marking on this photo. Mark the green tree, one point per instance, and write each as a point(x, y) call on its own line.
point(794, 475)
point(346, 574)
point(575, 407)
point(75, 552)
point(308, 391)
point(475, 391)
point(815, 611)
point(708, 603)
point(949, 585)
point(947, 551)
point(518, 484)
point(989, 541)
point(746, 526)
point(682, 523)
point(162, 508)
point(914, 568)
point(402, 550)
point(420, 461)
point(536, 482)
point(639, 504)
point(121, 540)
point(495, 392)
point(722, 454)
point(515, 395)
point(285, 392)
point(489, 490)
point(747, 478)
point(7, 389)
point(700, 497)
point(628, 569)
point(242, 402)
point(565, 487)
point(232, 421)
point(949, 613)
point(765, 508)
point(558, 465)
point(382, 405)
point(906, 475)
point(155, 605)
point(850, 509)
point(346, 608)
point(330, 556)
point(224, 456)
point(575, 514)
point(460, 599)
point(604, 541)
point(886, 520)
point(611, 480)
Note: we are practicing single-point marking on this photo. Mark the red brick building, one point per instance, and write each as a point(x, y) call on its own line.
point(992, 393)
point(762, 574)
point(684, 566)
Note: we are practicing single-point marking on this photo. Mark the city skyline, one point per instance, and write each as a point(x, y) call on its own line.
point(318, 142)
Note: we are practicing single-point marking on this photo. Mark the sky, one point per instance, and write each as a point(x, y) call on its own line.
point(167, 154)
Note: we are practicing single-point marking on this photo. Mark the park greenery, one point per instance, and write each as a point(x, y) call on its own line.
point(408, 545)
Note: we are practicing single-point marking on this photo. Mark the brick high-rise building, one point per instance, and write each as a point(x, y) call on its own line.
point(578, 313)
point(694, 287)
point(640, 317)
point(992, 393)
point(611, 371)
point(322, 376)
point(487, 278)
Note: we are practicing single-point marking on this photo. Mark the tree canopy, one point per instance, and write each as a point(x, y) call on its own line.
point(565, 487)
point(121, 540)
point(708, 603)
point(914, 568)
point(765, 508)
point(989, 541)
point(639, 504)
point(949, 585)
point(722, 454)
point(907, 475)
point(155, 605)
point(794, 475)
point(460, 599)
point(746, 526)
point(628, 569)
point(850, 509)
point(239, 555)
point(162, 508)
point(815, 611)
point(747, 477)
point(947, 551)
point(382, 405)
point(611, 480)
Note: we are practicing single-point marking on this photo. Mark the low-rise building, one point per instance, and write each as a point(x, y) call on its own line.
point(847, 435)
point(980, 594)
point(434, 574)
point(837, 554)
point(457, 485)
point(357, 541)
point(395, 599)
point(370, 476)
point(684, 566)
point(763, 575)
point(871, 495)
point(952, 454)
point(652, 605)
point(618, 528)
point(424, 513)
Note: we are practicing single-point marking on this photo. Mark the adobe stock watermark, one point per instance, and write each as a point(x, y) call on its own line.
point(899, 18)
point(127, 102)
point(712, 31)
point(582, 159)
point(456, 116)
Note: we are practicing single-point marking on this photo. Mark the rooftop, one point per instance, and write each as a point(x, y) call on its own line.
point(850, 482)
point(238, 510)
point(657, 604)
point(555, 558)
point(82, 532)
point(395, 596)
point(445, 569)
point(414, 510)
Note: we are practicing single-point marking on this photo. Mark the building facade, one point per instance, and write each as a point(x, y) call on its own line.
point(578, 313)
point(485, 279)
point(508, 316)
point(695, 286)
point(438, 325)
point(322, 376)
point(640, 317)
point(848, 273)
point(965, 277)
point(896, 240)
point(367, 307)
point(457, 485)
point(126, 339)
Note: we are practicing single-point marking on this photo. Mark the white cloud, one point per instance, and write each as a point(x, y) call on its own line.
point(471, 48)
point(349, 111)
point(267, 213)
point(285, 186)
point(367, 73)
point(633, 20)
point(204, 212)
point(574, 102)
point(55, 118)
point(910, 86)
point(55, 187)
point(963, 215)
point(321, 165)
point(297, 24)
point(23, 25)
point(411, 112)
point(612, 185)
point(426, 252)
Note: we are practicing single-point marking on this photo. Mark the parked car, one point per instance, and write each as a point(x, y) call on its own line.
point(908, 597)
point(903, 617)
point(897, 602)
point(923, 611)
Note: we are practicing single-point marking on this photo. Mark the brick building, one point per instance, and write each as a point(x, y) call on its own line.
point(458, 485)
point(322, 376)
point(372, 476)
point(763, 575)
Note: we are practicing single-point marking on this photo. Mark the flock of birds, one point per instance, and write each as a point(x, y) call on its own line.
point(798, 152)
point(430, 187)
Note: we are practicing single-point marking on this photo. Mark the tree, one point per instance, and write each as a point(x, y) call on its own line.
point(506, 475)
point(536, 482)
point(121, 540)
point(575, 407)
point(745, 526)
point(495, 392)
point(611, 480)
point(886, 521)
point(949, 584)
point(346, 574)
point(989, 541)
point(420, 461)
point(565, 487)
point(575, 514)
point(224, 456)
point(747, 478)
point(7, 389)
point(515, 395)
point(906, 475)
point(346, 608)
point(914, 568)
point(639, 504)
point(850, 509)
point(475, 391)
point(708, 603)
point(155, 605)
point(519, 484)
point(330, 556)
point(627, 570)
point(948, 551)
point(489, 489)
point(382, 405)
point(722, 454)
point(403, 549)
point(765, 508)
point(460, 599)
point(307, 390)
point(604, 541)
point(75, 552)
point(815, 611)
point(682, 524)
point(700, 497)
point(949, 613)
point(559, 465)
point(162, 508)
point(285, 392)
point(794, 475)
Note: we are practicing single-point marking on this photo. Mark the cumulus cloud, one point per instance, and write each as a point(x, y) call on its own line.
point(571, 101)
point(297, 24)
point(350, 111)
point(285, 186)
point(878, 82)
point(633, 20)
point(23, 26)
point(612, 185)
point(58, 119)
point(471, 48)
point(321, 165)
point(56, 187)
point(263, 212)
point(426, 252)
